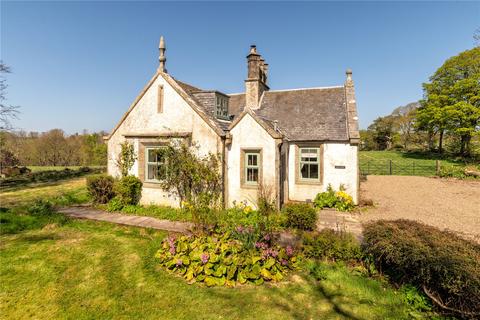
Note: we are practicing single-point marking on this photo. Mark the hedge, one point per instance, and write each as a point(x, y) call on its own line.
point(445, 266)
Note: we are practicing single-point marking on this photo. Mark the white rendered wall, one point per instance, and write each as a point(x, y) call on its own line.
point(177, 116)
point(334, 154)
point(248, 134)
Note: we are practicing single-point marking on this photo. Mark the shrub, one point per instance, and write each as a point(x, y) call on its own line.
point(331, 245)
point(219, 260)
point(128, 190)
point(41, 207)
point(300, 216)
point(339, 200)
point(445, 266)
point(100, 188)
point(126, 158)
point(196, 180)
point(115, 205)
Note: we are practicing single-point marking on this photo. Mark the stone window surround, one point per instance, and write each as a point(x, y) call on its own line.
point(298, 179)
point(243, 182)
point(153, 142)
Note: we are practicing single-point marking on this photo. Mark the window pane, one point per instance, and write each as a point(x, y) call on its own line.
point(309, 154)
point(304, 170)
point(252, 160)
point(313, 171)
point(152, 172)
point(252, 175)
point(162, 172)
point(151, 155)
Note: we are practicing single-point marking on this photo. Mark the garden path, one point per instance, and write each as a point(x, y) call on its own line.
point(130, 220)
point(328, 219)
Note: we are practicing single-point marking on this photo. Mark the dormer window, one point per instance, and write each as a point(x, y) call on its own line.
point(221, 107)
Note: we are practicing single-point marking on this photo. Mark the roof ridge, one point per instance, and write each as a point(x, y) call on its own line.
point(311, 88)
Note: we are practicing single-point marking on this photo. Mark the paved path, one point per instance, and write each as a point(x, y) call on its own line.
point(330, 219)
point(130, 220)
point(339, 221)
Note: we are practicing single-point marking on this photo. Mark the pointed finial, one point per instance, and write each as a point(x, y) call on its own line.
point(162, 59)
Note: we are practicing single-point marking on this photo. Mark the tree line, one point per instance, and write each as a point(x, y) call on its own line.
point(448, 114)
point(52, 148)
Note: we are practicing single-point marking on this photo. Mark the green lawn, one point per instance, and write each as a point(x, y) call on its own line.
point(405, 163)
point(91, 270)
point(57, 268)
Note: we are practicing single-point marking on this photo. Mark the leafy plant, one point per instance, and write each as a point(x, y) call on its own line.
point(416, 300)
point(41, 207)
point(100, 188)
point(339, 200)
point(195, 179)
point(219, 260)
point(128, 190)
point(331, 245)
point(300, 216)
point(444, 265)
point(126, 158)
point(114, 205)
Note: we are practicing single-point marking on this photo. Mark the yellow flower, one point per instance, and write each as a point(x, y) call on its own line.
point(247, 209)
point(344, 196)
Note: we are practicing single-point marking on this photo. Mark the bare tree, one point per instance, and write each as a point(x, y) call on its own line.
point(7, 112)
point(476, 37)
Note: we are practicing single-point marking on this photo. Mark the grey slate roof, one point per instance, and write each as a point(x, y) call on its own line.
point(301, 114)
point(206, 100)
point(307, 114)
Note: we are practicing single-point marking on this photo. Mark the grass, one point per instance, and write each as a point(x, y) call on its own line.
point(406, 163)
point(21, 195)
point(52, 267)
point(155, 211)
point(92, 270)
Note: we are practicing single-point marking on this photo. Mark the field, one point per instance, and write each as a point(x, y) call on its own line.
point(57, 168)
point(77, 269)
point(404, 163)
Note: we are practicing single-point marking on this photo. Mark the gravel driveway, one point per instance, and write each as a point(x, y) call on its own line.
point(443, 203)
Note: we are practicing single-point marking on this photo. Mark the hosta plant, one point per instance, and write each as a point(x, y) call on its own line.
point(219, 260)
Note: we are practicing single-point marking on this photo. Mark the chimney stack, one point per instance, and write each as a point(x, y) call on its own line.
point(162, 59)
point(349, 80)
point(256, 82)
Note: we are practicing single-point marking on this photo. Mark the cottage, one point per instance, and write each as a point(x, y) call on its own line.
point(296, 141)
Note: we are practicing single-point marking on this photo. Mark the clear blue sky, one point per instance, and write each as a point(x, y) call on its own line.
point(80, 65)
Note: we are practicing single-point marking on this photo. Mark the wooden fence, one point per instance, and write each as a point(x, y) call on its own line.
point(399, 168)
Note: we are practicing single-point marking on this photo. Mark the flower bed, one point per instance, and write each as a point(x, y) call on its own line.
point(219, 260)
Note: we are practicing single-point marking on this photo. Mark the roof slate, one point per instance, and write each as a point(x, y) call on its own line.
point(308, 114)
point(302, 114)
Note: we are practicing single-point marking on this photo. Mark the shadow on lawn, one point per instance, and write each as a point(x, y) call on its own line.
point(296, 302)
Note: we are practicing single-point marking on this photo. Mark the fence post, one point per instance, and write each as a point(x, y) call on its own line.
point(368, 167)
point(390, 166)
point(437, 167)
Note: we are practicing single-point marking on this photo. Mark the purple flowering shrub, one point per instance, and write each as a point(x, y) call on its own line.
point(219, 259)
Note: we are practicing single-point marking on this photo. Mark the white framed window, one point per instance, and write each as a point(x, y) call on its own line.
point(309, 164)
point(221, 107)
point(155, 165)
point(252, 167)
